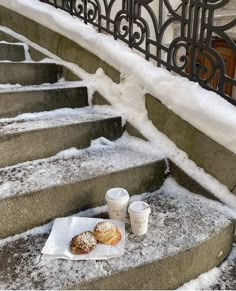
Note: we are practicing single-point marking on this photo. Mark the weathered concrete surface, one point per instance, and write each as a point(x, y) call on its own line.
point(214, 158)
point(37, 139)
point(36, 55)
point(133, 131)
point(98, 99)
point(30, 29)
point(227, 275)
point(183, 241)
point(55, 43)
point(16, 102)
point(224, 276)
point(28, 73)
point(6, 37)
point(40, 191)
point(188, 182)
point(69, 75)
point(12, 52)
point(171, 272)
point(72, 52)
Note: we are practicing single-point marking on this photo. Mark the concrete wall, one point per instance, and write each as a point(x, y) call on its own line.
point(214, 158)
point(55, 43)
point(208, 154)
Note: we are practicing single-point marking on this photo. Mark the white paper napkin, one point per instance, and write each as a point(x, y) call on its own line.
point(64, 229)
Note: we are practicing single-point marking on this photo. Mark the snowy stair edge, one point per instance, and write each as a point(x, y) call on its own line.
point(43, 134)
point(19, 99)
point(75, 179)
point(188, 235)
point(52, 118)
point(29, 73)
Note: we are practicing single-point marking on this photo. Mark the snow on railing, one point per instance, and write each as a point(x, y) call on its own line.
point(179, 35)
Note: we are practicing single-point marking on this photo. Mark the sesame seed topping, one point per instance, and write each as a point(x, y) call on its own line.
point(87, 239)
point(105, 226)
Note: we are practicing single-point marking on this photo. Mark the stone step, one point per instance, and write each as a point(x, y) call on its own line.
point(12, 52)
point(7, 37)
point(35, 192)
point(39, 135)
point(187, 235)
point(14, 102)
point(28, 73)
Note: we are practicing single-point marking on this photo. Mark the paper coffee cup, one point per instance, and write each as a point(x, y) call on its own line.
point(117, 202)
point(139, 212)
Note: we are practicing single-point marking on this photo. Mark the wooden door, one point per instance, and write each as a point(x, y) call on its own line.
point(229, 60)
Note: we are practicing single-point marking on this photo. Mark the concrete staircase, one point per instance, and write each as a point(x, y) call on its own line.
point(33, 175)
point(12, 52)
point(43, 176)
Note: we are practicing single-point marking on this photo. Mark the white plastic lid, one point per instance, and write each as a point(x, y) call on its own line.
point(117, 194)
point(139, 208)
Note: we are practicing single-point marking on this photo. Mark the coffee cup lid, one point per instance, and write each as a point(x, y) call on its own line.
point(117, 194)
point(139, 208)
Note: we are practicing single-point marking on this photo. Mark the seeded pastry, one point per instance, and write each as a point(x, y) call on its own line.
point(83, 243)
point(107, 233)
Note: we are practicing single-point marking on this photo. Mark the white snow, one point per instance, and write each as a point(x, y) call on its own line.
point(203, 281)
point(172, 229)
point(213, 277)
point(187, 99)
point(174, 213)
point(73, 165)
point(127, 99)
point(171, 187)
point(54, 118)
point(7, 87)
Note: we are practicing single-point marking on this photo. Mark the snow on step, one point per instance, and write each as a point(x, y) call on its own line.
point(48, 119)
point(34, 193)
point(69, 166)
point(45, 98)
point(187, 235)
point(43, 134)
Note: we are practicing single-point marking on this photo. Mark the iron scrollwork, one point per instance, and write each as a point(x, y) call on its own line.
point(190, 54)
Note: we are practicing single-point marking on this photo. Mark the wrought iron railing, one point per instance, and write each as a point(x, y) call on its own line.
point(190, 53)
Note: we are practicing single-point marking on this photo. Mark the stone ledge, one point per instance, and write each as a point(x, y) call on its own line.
point(208, 154)
point(14, 102)
point(188, 182)
point(28, 73)
point(12, 52)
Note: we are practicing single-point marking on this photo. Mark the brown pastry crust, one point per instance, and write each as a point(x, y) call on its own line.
point(107, 233)
point(83, 243)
